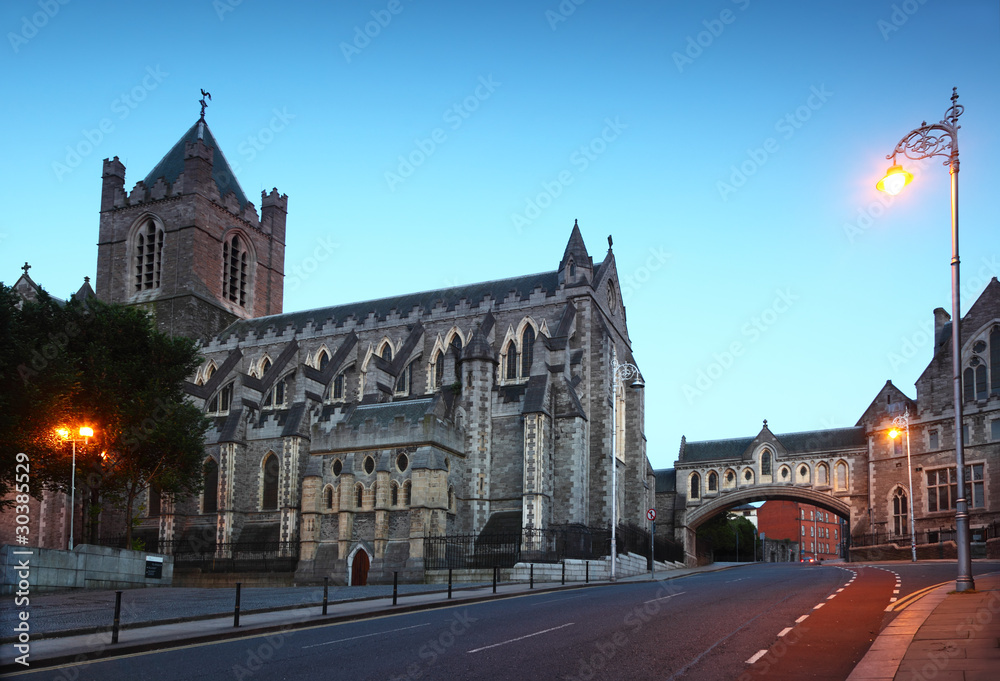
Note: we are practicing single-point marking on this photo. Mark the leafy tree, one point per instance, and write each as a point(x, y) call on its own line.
point(722, 531)
point(116, 373)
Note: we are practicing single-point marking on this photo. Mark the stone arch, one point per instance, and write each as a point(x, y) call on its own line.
point(747, 476)
point(366, 559)
point(803, 474)
point(784, 474)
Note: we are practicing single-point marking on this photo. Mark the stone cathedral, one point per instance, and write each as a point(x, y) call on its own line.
point(365, 427)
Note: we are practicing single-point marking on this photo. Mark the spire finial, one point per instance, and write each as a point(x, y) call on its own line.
point(610, 242)
point(86, 280)
point(204, 95)
point(765, 423)
point(576, 222)
point(26, 268)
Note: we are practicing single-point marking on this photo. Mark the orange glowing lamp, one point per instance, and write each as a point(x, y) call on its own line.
point(894, 433)
point(895, 179)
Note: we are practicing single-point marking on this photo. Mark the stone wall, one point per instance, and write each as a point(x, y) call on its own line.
point(85, 567)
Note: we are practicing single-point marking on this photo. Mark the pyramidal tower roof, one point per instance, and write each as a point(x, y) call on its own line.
point(172, 164)
point(576, 249)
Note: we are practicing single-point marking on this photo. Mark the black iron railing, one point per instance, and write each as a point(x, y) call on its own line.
point(234, 557)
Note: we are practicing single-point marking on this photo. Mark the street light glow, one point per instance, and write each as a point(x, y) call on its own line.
point(895, 179)
point(893, 433)
point(86, 431)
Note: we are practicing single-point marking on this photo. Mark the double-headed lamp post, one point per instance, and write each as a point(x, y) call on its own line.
point(941, 139)
point(619, 372)
point(904, 423)
point(84, 434)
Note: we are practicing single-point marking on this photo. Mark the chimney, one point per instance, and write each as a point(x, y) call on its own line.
point(940, 319)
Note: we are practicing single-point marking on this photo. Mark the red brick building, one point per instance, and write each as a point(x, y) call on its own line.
point(819, 533)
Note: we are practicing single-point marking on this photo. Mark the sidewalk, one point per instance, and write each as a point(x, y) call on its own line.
point(942, 636)
point(79, 645)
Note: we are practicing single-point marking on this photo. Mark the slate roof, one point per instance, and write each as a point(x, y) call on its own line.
point(385, 414)
point(666, 480)
point(795, 443)
point(172, 165)
point(404, 304)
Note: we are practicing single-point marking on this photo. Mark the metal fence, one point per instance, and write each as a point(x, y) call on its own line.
point(938, 536)
point(550, 545)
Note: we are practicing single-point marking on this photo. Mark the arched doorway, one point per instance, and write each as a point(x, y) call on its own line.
point(359, 567)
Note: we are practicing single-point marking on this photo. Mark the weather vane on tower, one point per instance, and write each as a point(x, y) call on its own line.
point(204, 96)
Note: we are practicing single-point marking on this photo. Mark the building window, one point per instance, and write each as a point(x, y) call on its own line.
point(336, 391)
point(155, 501)
point(456, 347)
point(713, 482)
point(995, 361)
point(210, 493)
point(765, 462)
point(236, 271)
point(803, 530)
point(148, 256)
point(438, 369)
point(402, 463)
point(934, 442)
point(981, 391)
point(221, 401)
point(965, 434)
point(510, 355)
point(995, 430)
point(974, 489)
point(899, 513)
point(275, 398)
point(269, 489)
point(359, 495)
point(404, 380)
point(394, 494)
point(968, 385)
point(527, 350)
point(323, 360)
point(369, 465)
point(337, 468)
point(822, 474)
point(386, 352)
point(406, 493)
point(695, 486)
point(840, 476)
point(942, 488)
point(897, 446)
point(328, 497)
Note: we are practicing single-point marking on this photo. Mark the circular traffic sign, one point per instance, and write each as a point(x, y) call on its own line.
point(651, 514)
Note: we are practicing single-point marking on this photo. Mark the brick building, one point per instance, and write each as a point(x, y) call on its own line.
point(818, 533)
point(357, 430)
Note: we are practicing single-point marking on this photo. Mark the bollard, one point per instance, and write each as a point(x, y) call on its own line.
point(449, 583)
point(586, 578)
point(118, 616)
point(494, 579)
point(564, 574)
point(236, 612)
point(395, 586)
point(326, 591)
point(531, 577)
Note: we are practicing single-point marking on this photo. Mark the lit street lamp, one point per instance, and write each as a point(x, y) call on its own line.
point(64, 433)
point(941, 139)
point(619, 372)
point(904, 423)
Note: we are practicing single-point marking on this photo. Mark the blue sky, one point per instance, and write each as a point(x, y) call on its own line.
point(731, 149)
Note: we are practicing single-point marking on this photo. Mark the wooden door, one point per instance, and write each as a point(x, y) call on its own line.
point(359, 569)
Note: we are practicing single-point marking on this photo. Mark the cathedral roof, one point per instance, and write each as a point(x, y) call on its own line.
point(576, 250)
point(172, 165)
point(806, 442)
point(426, 301)
point(385, 414)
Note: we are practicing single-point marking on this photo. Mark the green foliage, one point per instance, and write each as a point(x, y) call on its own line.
point(106, 366)
point(721, 531)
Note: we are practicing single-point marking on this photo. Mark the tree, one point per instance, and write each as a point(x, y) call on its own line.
point(722, 530)
point(115, 372)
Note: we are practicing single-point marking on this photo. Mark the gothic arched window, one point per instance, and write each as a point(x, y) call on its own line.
point(765, 462)
point(899, 512)
point(148, 255)
point(968, 385)
point(386, 352)
point(695, 486)
point(527, 350)
point(995, 361)
point(269, 488)
point(438, 369)
point(713, 482)
point(210, 493)
point(323, 360)
point(511, 355)
point(235, 270)
point(328, 497)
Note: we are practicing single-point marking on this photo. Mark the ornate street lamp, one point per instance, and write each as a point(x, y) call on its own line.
point(85, 433)
point(941, 139)
point(619, 372)
point(904, 423)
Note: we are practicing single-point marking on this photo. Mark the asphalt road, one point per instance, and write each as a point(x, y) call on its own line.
point(705, 626)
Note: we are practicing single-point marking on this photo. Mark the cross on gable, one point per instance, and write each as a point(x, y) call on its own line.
point(26, 268)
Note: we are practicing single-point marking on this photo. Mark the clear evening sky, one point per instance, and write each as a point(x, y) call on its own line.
point(730, 147)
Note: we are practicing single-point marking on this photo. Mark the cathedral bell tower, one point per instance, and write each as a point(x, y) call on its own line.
point(186, 244)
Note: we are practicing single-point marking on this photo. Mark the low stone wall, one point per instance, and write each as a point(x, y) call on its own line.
point(85, 567)
point(993, 548)
point(902, 552)
point(576, 571)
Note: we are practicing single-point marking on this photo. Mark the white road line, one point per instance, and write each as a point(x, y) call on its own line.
point(520, 638)
point(784, 631)
point(819, 606)
point(553, 600)
point(801, 619)
point(663, 598)
point(759, 654)
point(840, 589)
point(893, 599)
point(831, 596)
point(379, 633)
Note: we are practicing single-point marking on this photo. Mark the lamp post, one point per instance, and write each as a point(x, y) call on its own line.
point(84, 433)
point(941, 139)
point(904, 423)
point(619, 372)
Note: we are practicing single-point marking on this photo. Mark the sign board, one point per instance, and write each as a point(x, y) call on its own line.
point(154, 567)
point(651, 514)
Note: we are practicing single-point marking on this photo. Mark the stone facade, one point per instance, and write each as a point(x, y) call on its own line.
point(860, 473)
point(353, 432)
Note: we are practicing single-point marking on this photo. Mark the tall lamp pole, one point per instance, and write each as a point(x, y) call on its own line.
point(941, 139)
point(84, 433)
point(619, 372)
point(904, 423)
